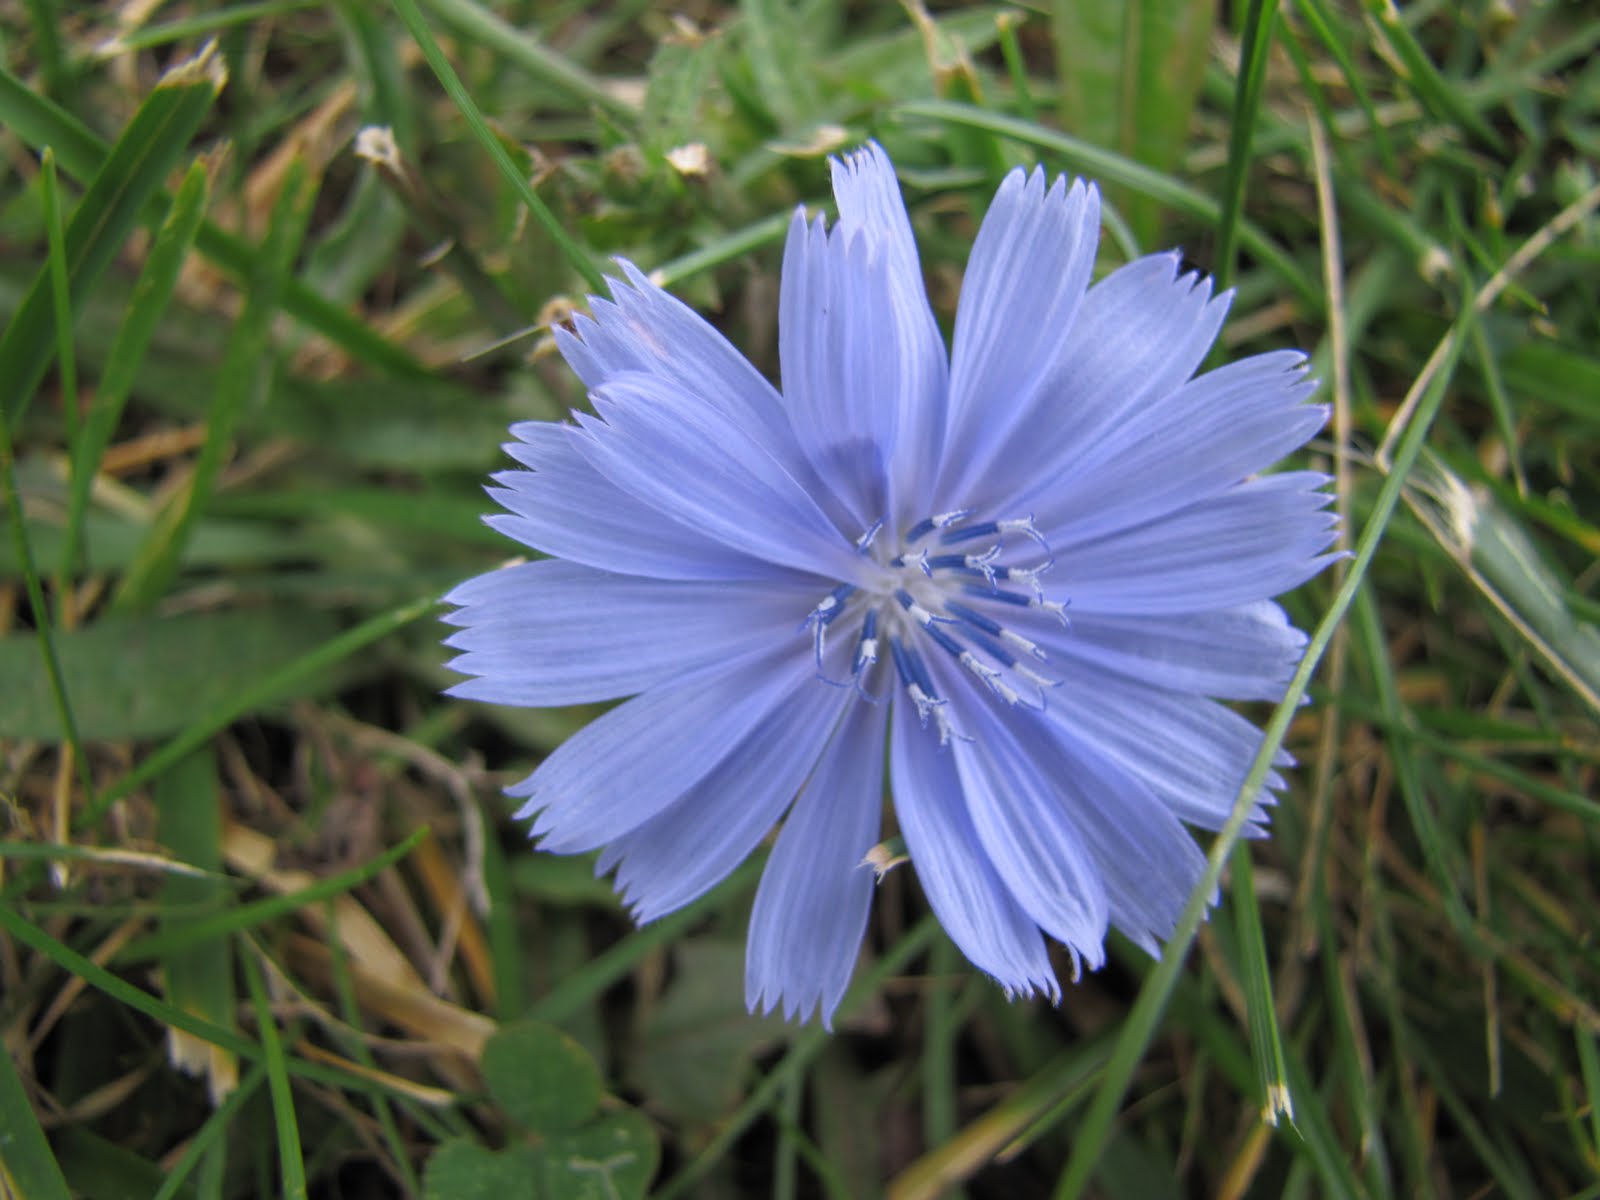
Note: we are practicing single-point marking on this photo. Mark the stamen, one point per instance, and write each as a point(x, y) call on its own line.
point(994, 629)
point(938, 521)
point(866, 653)
point(1022, 525)
point(975, 564)
point(824, 614)
point(990, 676)
point(865, 540)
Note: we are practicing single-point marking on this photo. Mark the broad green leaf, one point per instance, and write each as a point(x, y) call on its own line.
point(540, 1078)
point(612, 1158)
point(460, 1169)
point(701, 1035)
point(147, 677)
point(1129, 75)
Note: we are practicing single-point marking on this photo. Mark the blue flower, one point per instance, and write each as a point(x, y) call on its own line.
point(1022, 574)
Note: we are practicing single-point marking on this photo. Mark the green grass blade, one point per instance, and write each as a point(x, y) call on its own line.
point(1266, 1039)
point(280, 682)
point(48, 649)
point(575, 254)
point(1140, 1027)
point(291, 1162)
point(1078, 155)
point(28, 1168)
point(477, 24)
point(40, 122)
point(243, 377)
point(1260, 21)
point(131, 174)
point(151, 295)
point(211, 1135)
point(1439, 94)
point(198, 976)
point(197, 931)
point(805, 1047)
point(1128, 77)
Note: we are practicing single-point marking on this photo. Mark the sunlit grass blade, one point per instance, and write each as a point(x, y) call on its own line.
point(28, 1168)
point(130, 175)
point(290, 1159)
point(1497, 555)
point(198, 930)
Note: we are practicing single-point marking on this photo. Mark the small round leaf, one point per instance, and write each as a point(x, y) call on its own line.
point(541, 1079)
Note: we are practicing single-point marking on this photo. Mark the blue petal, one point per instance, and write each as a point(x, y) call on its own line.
point(1243, 653)
point(661, 445)
point(1030, 835)
point(1256, 540)
point(1212, 432)
point(623, 768)
point(564, 507)
point(811, 909)
point(843, 379)
point(1138, 335)
point(645, 329)
point(1191, 753)
point(872, 209)
point(1025, 279)
point(1147, 859)
point(555, 632)
point(967, 895)
point(691, 846)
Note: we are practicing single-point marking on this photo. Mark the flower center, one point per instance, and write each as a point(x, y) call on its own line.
point(948, 585)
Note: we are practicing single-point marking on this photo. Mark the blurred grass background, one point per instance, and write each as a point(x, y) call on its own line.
point(262, 909)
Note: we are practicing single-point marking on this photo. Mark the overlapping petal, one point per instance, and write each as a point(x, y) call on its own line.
point(1259, 538)
point(963, 887)
point(1243, 653)
point(1213, 431)
point(594, 635)
point(565, 508)
point(1025, 280)
point(689, 847)
point(811, 908)
point(623, 768)
point(659, 444)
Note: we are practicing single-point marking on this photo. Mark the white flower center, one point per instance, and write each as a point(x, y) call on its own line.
point(945, 585)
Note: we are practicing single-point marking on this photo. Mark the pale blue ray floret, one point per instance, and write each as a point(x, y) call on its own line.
point(879, 563)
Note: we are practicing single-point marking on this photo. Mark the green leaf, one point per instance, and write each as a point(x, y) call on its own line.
point(460, 1169)
point(613, 1158)
point(701, 1036)
point(139, 678)
point(1129, 76)
point(540, 1078)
